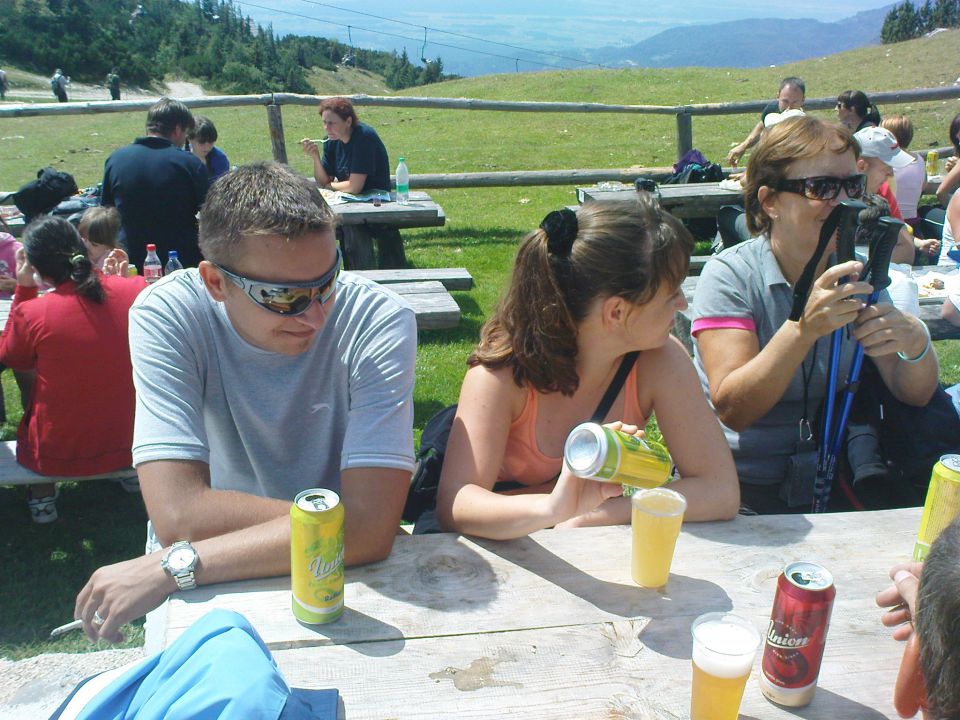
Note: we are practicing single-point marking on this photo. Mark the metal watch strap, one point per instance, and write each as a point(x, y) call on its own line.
point(185, 580)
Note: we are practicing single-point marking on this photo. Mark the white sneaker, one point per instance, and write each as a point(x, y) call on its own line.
point(43, 510)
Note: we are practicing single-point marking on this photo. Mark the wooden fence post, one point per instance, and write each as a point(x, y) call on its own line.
point(275, 121)
point(684, 131)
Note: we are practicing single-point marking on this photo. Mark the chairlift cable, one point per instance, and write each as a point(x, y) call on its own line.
point(456, 34)
point(242, 3)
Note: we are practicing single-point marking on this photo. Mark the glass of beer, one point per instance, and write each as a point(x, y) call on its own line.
point(724, 648)
point(656, 519)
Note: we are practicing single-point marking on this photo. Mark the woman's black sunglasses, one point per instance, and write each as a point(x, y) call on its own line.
point(825, 187)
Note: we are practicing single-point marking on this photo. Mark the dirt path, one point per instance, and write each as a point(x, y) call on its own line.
point(83, 91)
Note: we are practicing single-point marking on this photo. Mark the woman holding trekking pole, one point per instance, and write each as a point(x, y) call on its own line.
point(765, 374)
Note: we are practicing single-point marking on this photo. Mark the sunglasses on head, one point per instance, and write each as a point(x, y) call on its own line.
point(825, 187)
point(293, 298)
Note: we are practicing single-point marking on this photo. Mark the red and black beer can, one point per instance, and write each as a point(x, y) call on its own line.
point(797, 634)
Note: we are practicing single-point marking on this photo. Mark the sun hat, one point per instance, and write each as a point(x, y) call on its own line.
point(773, 118)
point(878, 142)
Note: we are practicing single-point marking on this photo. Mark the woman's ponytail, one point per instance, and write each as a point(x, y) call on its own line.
point(54, 248)
point(85, 276)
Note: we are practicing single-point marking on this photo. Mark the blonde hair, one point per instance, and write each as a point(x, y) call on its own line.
point(902, 128)
point(100, 226)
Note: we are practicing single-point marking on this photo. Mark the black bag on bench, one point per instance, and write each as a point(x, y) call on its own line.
point(45, 193)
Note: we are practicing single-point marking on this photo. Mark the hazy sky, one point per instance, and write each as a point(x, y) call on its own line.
point(563, 27)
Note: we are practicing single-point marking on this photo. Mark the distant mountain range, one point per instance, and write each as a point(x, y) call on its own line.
point(747, 43)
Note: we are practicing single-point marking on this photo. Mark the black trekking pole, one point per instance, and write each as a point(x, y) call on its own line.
point(883, 239)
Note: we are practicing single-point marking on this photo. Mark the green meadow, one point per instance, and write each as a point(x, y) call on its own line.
point(99, 523)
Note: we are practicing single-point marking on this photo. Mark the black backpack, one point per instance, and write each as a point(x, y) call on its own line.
point(426, 476)
point(45, 193)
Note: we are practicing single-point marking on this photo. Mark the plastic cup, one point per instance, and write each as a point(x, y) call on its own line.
point(724, 649)
point(656, 517)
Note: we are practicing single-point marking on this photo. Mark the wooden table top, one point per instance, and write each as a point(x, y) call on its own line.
point(684, 201)
point(551, 626)
point(421, 211)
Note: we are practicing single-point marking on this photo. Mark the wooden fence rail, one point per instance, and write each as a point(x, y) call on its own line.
point(683, 114)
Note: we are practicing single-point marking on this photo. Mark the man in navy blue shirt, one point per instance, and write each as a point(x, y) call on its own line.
point(158, 187)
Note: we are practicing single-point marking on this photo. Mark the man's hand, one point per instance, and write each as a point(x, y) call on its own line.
point(733, 157)
point(900, 599)
point(119, 593)
point(7, 284)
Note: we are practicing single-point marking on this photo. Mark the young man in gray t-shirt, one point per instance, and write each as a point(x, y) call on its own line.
point(261, 373)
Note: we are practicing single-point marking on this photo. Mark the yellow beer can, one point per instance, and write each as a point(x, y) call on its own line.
point(933, 157)
point(942, 504)
point(316, 556)
point(599, 453)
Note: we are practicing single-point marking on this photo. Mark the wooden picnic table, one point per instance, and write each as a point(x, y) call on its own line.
point(356, 217)
point(691, 200)
point(551, 626)
point(421, 211)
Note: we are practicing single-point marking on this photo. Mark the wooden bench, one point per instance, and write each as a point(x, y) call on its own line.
point(427, 290)
point(13, 473)
point(452, 278)
point(434, 306)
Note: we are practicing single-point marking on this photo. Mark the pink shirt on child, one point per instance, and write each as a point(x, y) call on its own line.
point(8, 259)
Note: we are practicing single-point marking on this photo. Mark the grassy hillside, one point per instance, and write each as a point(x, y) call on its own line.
point(458, 141)
point(47, 565)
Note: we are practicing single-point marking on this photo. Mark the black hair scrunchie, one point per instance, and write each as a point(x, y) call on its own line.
point(561, 228)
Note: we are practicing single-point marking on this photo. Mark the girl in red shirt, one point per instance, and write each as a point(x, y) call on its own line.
point(79, 417)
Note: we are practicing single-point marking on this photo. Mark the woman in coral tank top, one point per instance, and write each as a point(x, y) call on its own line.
point(587, 288)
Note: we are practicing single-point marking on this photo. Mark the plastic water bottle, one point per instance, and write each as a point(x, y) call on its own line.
point(403, 183)
point(152, 269)
point(173, 263)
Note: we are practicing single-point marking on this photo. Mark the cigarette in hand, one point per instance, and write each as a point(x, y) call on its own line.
point(64, 629)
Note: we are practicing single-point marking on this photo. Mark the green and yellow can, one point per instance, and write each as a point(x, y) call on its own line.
point(316, 556)
point(942, 504)
point(599, 453)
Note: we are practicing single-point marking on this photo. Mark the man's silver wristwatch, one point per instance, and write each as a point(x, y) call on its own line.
point(179, 563)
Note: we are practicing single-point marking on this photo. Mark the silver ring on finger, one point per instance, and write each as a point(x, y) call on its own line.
point(98, 619)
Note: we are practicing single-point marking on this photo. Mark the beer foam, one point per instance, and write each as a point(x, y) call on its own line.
point(724, 650)
point(660, 501)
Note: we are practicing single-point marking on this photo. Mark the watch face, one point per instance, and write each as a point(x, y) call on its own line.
point(180, 559)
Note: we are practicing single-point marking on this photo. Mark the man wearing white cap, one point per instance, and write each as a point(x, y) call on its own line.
point(880, 154)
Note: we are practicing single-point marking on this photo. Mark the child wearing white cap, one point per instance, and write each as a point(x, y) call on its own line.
point(880, 154)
